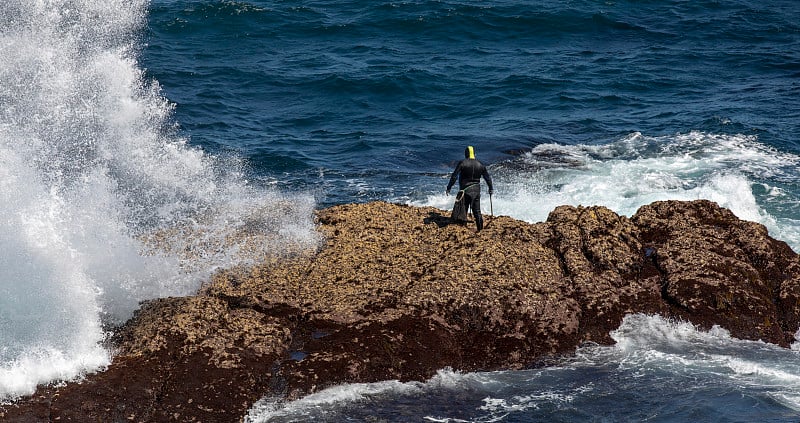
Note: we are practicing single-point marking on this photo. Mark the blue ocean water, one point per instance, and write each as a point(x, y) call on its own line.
point(186, 121)
point(374, 100)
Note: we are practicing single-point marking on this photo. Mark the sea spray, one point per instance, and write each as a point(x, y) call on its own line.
point(104, 204)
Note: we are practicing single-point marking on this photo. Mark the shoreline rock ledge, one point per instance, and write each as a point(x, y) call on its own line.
point(396, 292)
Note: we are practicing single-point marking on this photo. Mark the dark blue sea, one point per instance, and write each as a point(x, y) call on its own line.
point(137, 136)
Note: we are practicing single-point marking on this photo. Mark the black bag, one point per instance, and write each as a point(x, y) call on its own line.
point(459, 214)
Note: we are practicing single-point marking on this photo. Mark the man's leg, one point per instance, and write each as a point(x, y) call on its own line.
point(476, 209)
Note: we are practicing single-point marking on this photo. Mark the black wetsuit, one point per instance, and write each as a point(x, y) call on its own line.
point(469, 173)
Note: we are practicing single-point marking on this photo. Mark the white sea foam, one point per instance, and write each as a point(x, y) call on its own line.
point(736, 171)
point(90, 178)
point(680, 348)
point(654, 348)
point(325, 401)
point(329, 400)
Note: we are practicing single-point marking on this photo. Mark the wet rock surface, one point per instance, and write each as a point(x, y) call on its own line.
point(396, 292)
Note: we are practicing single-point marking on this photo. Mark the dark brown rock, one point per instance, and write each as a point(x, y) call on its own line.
point(717, 269)
point(398, 293)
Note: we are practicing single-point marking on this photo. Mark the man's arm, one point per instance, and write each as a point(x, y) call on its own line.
point(453, 178)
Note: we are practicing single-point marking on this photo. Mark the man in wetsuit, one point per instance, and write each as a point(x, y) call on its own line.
point(469, 172)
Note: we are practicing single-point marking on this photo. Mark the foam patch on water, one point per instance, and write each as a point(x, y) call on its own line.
point(652, 348)
point(755, 181)
point(326, 403)
point(652, 342)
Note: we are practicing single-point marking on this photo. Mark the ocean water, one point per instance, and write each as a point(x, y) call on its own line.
point(139, 138)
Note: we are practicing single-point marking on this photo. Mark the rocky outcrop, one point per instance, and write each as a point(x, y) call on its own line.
point(396, 292)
